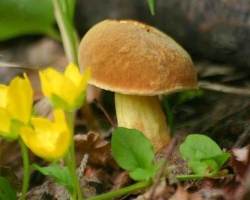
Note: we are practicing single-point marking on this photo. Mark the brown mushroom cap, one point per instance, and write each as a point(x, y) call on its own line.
point(129, 57)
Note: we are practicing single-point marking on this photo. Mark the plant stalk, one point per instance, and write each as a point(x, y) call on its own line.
point(26, 167)
point(64, 21)
point(123, 191)
point(72, 162)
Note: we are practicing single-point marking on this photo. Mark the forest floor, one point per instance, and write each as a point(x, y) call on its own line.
point(222, 113)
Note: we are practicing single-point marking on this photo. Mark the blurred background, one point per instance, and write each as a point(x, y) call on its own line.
point(217, 30)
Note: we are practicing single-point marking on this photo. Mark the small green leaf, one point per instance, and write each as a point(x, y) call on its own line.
point(181, 97)
point(203, 168)
point(143, 174)
point(134, 152)
point(151, 5)
point(197, 167)
point(7, 173)
point(6, 191)
point(220, 159)
point(204, 155)
point(170, 101)
point(196, 147)
point(61, 174)
point(132, 149)
point(140, 174)
point(80, 101)
point(58, 102)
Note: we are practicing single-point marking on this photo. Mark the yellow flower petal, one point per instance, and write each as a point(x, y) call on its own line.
point(49, 140)
point(47, 76)
point(81, 88)
point(20, 99)
point(42, 146)
point(60, 120)
point(73, 74)
point(53, 82)
point(3, 95)
point(5, 118)
point(68, 87)
point(84, 81)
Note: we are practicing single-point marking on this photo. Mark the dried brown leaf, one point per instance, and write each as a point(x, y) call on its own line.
point(99, 150)
point(7, 173)
point(182, 194)
point(221, 188)
point(240, 162)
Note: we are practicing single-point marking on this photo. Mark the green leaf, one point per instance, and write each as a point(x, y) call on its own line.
point(7, 173)
point(80, 101)
point(151, 5)
point(58, 102)
point(140, 174)
point(132, 149)
point(6, 191)
point(219, 159)
point(134, 152)
point(143, 174)
point(60, 174)
point(181, 97)
point(196, 147)
point(170, 101)
point(203, 154)
point(203, 168)
point(26, 17)
point(15, 126)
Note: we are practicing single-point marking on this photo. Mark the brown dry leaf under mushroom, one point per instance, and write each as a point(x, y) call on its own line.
point(99, 151)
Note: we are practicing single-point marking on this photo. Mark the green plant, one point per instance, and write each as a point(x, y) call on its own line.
point(128, 146)
point(133, 152)
point(6, 191)
point(205, 158)
point(171, 101)
point(15, 111)
point(60, 174)
point(151, 5)
point(15, 15)
point(50, 140)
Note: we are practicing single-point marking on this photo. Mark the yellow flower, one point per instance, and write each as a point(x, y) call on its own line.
point(15, 106)
point(48, 140)
point(66, 91)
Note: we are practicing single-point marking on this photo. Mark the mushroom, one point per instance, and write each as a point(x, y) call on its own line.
point(138, 63)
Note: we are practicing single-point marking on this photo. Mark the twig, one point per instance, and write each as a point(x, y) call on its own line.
point(105, 113)
point(246, 194)
point(223, 88)
point(9, 64)
point(169, 151)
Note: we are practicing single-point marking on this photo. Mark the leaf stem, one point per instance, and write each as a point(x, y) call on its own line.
point(72, 163)
point(151, 5)
point(126, 190)
point(67, 31)
point(26, 167)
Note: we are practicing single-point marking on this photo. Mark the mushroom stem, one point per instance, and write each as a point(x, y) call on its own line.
point(145, 114)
